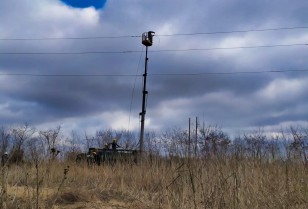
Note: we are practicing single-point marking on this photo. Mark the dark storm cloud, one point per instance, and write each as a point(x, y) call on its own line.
point(233, 100)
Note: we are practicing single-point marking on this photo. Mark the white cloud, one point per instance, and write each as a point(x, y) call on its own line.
point(283, 90)
point(101, 102)
point(46, 18)
point(117, 120)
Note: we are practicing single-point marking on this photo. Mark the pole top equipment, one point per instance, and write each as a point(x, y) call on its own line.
point(147, 38)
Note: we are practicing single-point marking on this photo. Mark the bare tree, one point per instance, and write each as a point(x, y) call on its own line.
point(34, 149)
point(21, 134)
point(103, 137)
point(74, 142)
point(299, 143)
point(238, 148)
point(214, 142)
point(152, 145)
point(51, 138)
point(129, 139)
point(90, 141)
point(256, 141)
point(305, 146)
point(273, 148)
point(175, 142)
point(73, 145)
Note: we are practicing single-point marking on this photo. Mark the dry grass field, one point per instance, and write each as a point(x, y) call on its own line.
point(166, 184)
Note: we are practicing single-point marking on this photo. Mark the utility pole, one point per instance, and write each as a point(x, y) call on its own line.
point(147, 40)
point(196, 140)
point(189, 139)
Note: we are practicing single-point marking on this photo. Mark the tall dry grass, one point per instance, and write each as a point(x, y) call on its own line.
point(160, 183)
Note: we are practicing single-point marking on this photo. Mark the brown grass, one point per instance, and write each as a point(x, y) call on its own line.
point(182, 183)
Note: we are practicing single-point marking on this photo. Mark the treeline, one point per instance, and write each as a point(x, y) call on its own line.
point(209, 142)
point(29, 144)
point(212, 143)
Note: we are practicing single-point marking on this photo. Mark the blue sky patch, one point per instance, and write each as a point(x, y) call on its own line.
point(98, 4)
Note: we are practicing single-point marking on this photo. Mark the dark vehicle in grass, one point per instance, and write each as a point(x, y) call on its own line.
point(98, 156)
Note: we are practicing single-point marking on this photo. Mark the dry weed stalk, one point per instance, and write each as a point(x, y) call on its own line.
point(3, 191)
point(65, 172)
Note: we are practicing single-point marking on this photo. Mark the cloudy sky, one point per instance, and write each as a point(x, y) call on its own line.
point(235, 63)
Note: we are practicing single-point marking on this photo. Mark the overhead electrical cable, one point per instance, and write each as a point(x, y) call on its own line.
point(233, 31)
point(154, 74)
point(226, 73)
point(155, 51)
point(230, 48)
point(67, 53)
point(133, 90)
point(66, 38)
point(138, 36)
point(67, 75)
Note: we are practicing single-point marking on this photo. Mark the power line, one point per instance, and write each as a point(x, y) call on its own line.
point(162, 50)
point(67, 38)
point(234, 31)
point(67, 75)
point(138, 36)
point(133, 90)
point(228, 48)
point(67, 53)
point(153, 74)
point(227, 73)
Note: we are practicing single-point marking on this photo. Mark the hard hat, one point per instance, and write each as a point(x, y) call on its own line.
point(114, 140)
point(5, 153)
